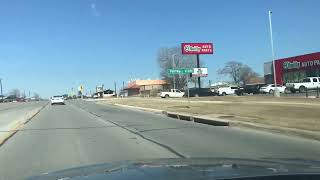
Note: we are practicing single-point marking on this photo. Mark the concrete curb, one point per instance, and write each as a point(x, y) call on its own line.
point(141, 108)
point(182, 116)
point(233, 123)
point(18, 124)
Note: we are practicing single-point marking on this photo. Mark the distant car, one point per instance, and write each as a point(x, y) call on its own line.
point(229, 90)
point(270, 88)
point(57, 100)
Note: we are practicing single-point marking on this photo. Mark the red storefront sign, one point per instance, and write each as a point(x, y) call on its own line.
point(197, 48)
point(297, 63)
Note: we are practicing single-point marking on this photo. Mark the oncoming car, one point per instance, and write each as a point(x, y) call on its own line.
point(57, 100)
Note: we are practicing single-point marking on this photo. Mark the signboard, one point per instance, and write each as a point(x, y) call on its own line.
point(180, 71)
point(200, 72)
point(297, 65)
point(99, 89)
point(80, 88)
point(197, 48)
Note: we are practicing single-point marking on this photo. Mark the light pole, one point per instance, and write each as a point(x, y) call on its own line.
point(173, 66)
point(273, 63)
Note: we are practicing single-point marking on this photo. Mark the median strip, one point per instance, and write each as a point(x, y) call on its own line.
point(9, 130)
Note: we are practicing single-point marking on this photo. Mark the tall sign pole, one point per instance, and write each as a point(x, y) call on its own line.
point(198, 66)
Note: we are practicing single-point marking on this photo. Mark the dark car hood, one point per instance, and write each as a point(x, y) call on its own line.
point(191, 168)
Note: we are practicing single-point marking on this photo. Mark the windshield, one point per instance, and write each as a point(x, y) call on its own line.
point(103, 81)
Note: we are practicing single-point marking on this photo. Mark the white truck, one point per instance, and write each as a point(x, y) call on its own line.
point(307, 83)
point(175, 93)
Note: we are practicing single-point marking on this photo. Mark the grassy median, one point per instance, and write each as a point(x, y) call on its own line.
point(300, 113)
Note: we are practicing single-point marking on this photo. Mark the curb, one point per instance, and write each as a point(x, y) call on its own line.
point(16, 125)
point(141, 108)
point(232, 123)
point(182, 116)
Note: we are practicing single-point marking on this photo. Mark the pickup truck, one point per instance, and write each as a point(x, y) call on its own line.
point(307, 83)
point(172, 93)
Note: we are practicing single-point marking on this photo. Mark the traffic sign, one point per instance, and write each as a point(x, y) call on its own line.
point(180, 71)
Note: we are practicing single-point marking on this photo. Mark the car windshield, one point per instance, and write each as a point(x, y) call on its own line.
point(87, 82)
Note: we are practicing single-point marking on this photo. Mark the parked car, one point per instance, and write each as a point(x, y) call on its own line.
point(229, 90)
point(253, 88)
point(270, 88)
point(57, 100)
point(307, 83)
point(175, 93)
point(196, 92)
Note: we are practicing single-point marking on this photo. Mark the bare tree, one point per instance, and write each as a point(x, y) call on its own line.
point(36, 95)
point(164, 59)
point(239, 73)
point(15, 93)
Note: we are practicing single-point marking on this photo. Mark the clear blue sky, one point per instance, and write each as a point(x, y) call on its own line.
point(51, 46)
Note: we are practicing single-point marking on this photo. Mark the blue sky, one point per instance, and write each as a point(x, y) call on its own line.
point(51, 46)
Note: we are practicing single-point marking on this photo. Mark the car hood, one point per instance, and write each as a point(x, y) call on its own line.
point(190, 168)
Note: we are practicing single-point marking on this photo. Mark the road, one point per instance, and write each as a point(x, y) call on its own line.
point(82, 133)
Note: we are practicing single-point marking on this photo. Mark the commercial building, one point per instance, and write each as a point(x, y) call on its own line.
point(293, 69)
point(144, 87)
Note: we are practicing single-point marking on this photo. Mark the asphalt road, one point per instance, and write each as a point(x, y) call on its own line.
point(81, 133)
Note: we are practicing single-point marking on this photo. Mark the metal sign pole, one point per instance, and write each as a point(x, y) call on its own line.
point(188, 88)
point(198, 66)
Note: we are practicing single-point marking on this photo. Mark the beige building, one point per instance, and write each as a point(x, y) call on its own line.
point(145, 87)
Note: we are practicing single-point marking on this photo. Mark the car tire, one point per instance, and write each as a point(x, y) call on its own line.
point(271, 91)
point(166, 96)
point(196, 95)
point(302, 89)
point(224, 94)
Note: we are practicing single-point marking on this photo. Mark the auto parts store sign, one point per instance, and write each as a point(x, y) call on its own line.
point(197, 48)
point(298, 65)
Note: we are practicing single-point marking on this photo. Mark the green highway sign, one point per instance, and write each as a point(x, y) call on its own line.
point(180, 71)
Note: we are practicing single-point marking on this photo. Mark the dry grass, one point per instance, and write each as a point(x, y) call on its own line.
point(297, 113)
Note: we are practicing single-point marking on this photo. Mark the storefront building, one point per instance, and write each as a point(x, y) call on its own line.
point(293, 69)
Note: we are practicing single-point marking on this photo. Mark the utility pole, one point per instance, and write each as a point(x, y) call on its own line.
point(122, 85)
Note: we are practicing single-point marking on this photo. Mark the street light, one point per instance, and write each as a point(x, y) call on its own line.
point(273, 63)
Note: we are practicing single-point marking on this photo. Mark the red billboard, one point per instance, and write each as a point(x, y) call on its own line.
point(197, 48)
